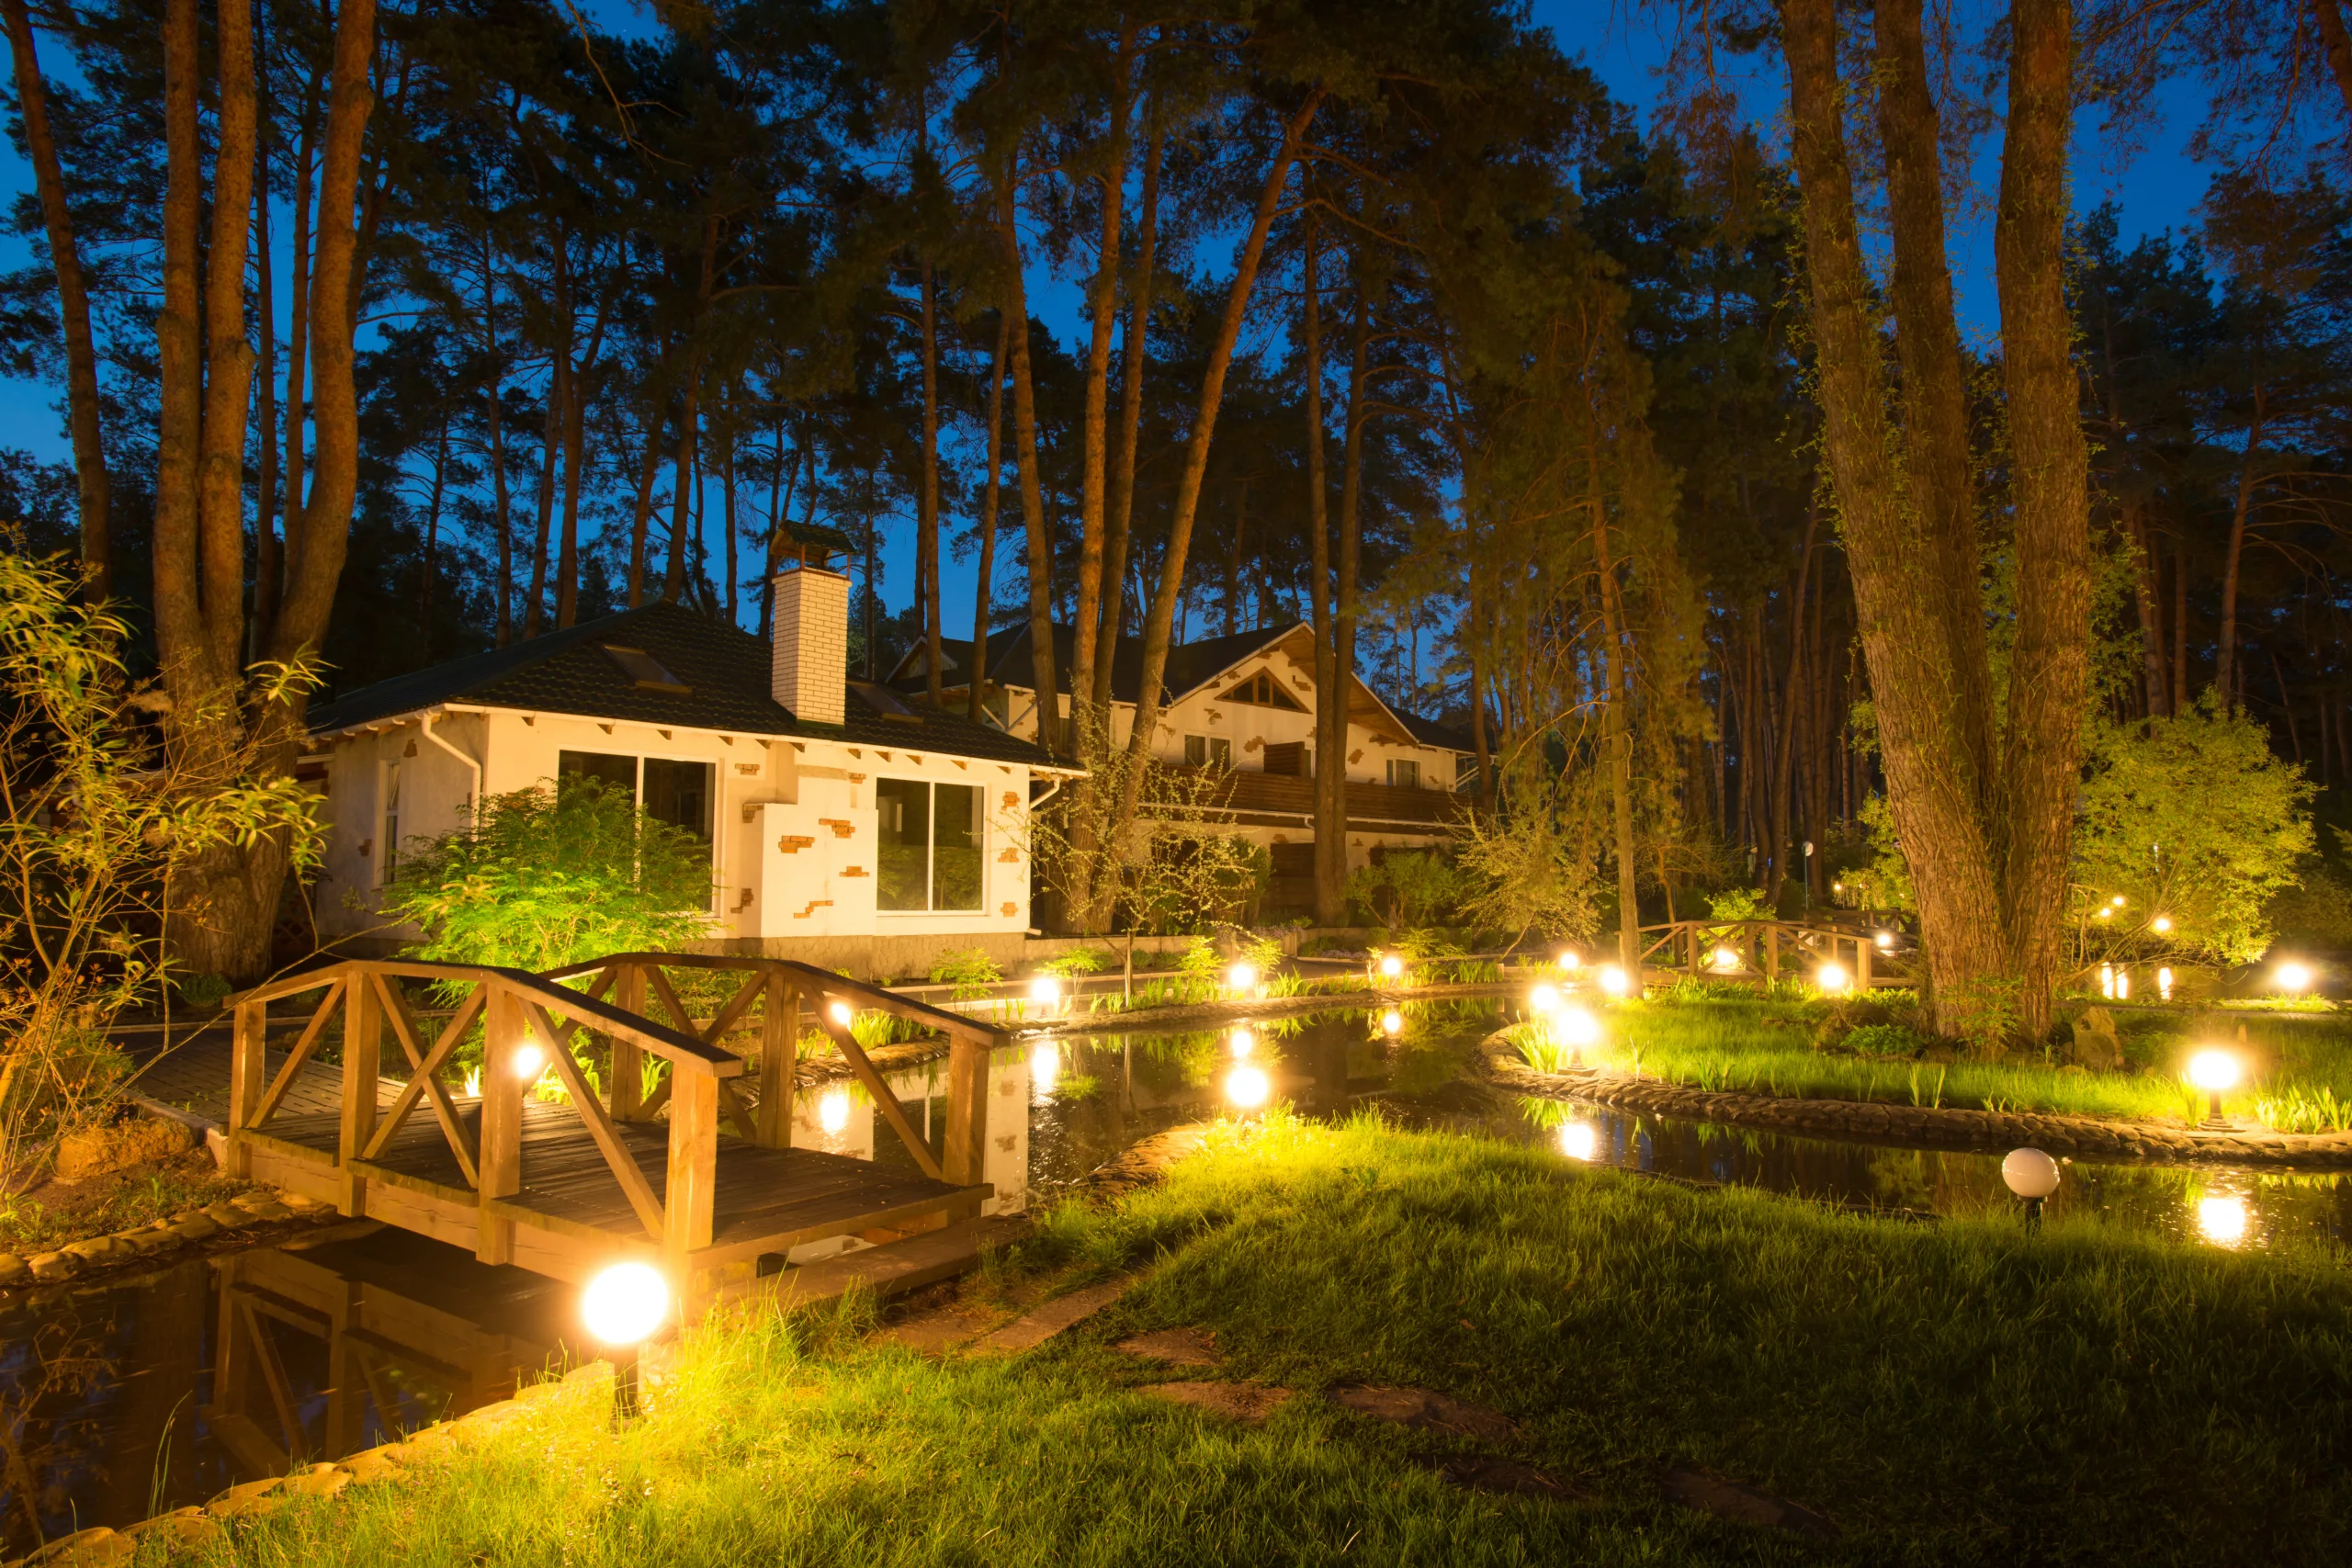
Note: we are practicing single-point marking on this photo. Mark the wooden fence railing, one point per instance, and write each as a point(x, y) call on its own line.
point(1762, 950)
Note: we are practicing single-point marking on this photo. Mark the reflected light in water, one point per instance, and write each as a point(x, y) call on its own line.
point(1577, 1140)
point(2222, 1219)
point(832, 1112)
point(1392, 1023)
point(2163, 983)
point(1045, 1068)
point(1575, 1026)
point(1246, 1088)
point(1242, 1043)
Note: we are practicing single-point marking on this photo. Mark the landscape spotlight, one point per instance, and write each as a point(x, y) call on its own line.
point(1576, 1140)
point(1242, 976)
point(2214, 1070)
point(1570, 958)
point(1391, 967)
point(1575, 1026)
point(1831, 979)
point(1046, 990)
point(2222, 1219)
point(2032, 1176)
point(529, 1060)
point(1392, 1023)
point(621, 1307)
point(840, 1014)
point(2292, 976)
point(1885, 941)
point(2117, 901)
point(1542, 1000)
point(1613, 981)
point(1246, 1088)
point(1727, 958)
point(1242, 1042)
point(2161, 925)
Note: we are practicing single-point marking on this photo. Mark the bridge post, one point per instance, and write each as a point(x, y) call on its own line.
point(687, 1209)
point(363, 1042)
point(1862, 950)
point(502, 1121)
point(967, 1111)
point(248, 1072)
point(1772, 952)
point(779, 1054)
point(628, 1058)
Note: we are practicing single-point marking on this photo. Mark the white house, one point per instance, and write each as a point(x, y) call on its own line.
point(1246, 702)
point(846, 826)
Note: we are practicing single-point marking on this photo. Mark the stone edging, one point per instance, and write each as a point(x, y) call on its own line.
point(196, 1527)
point(250, 1217)
point(1950, 1127)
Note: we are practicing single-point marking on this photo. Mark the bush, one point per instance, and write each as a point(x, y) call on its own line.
point(1882, 1040)
point(544, 877)
point(1409, 888)
point(970, 970)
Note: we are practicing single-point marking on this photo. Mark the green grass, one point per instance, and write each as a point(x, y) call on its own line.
point(2298, 1071)
point(1959, 1393)
point(104, 1204)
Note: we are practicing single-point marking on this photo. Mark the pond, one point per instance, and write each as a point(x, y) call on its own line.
point(142, 1393)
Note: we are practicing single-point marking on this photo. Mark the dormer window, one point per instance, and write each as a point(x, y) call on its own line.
point(645, 671)
point(1262, 690)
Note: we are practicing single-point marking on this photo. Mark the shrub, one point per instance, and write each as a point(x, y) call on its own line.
point(970, 969)
point(1882, 1040)
point(1409, 888)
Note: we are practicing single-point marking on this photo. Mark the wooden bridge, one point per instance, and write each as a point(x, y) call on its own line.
point(1759, 951)
point(679, 1157)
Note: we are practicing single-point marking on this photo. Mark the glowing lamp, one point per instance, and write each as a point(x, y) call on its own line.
point(1391, 967)
point(1542, 1000)
point(1246, 1088)
point(2292, 977)
point(840, 1013)
point(2032, 1176)
point(1575, 1026)
point(2116, 902)
point(2106, 980)
point(1613, 981)
point(1570, 958)
point(2222, 1219)
point(1837, 887)
point(1576, 1140)
point(1243, 1043)
point(2163, 983)
point(2104, 911)
point(1831, 979)
point(2123, 985)
point(1727, 958)
point(1392, 1023)
point(1885, 941)
point(2161, 925)
point(529, 1060)
point(1046, 990)
point(624, 1302)
point(832, 1112)
point(2213, 1071)
point(1044, 1067)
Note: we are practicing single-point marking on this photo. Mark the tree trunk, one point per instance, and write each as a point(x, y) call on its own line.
point(1096, 428)
point(265, 547)
point(1331, 783)
point(927, 523)
point(297, 353)
point(727, 489)
point(2226, 644)
point(1331, 687)
point(648, 466)
point(1160, 616)
point(991, 489)
point(1024, 452)
point(1784, 749)
point(1135, 351)
point(431, 536)
point(673, 579)
point(2152, 624)
point(1619, 714)
point(551, 444)
point(72, 305)
point(2339, 47)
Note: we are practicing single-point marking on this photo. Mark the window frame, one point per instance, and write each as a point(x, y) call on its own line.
point(932, 906)
point(1216, 752)
point(636, 799)
point(388, 820)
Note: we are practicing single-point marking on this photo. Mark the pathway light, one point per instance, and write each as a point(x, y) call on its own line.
point(1726, 957)
point(1045, 1068)
point(2116, 902)
point(1242, 1042)
point(1391, 967)
point(1046, 990)
point(1837, 887)
point(832, 1112)
point(1246, 1088)
point(2104, 911)
point(2214, 1070)
point(1613, 981)
point(1544, 1000)
point(2163, 983)
point(2032, 1176)
point(2292, 976)
point(530, 1061)
point(1570, 958)
point(1575, 1026)
point(1831, 979)
point(1392, 1023)
point(1885, 941)
point(2222, 1218)
point(1578, 1141)
point(625, 1303)
point(1242, 976)
point(840, 1014)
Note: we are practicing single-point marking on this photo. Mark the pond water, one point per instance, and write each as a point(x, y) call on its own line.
point(148, 1392)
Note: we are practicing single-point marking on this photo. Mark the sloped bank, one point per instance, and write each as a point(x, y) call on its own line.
point(1922, 1126)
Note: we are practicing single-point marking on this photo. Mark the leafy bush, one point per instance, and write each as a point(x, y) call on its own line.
point(543, 877)
point(1526, 872)
point(1409, 888)
point(1076, 961)
point(1882, 1040)
point(1740, 904)
point(970, 969)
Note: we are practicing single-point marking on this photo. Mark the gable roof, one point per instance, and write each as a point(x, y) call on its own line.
point(721, 683)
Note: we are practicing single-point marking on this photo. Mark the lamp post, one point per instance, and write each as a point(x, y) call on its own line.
point(2032, 1176)
point(2214, 1070)
point(622, 1307)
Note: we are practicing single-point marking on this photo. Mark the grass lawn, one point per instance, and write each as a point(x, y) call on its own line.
point(2299, 1069)
point(1957, 1394)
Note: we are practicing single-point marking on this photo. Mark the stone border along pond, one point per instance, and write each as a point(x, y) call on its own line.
point(253, 1218)
point(1951, 1127)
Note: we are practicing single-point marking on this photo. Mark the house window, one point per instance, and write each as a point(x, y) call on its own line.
point(930, 840)
point(678, 793)
point(389, 866)
point(1207, 751)
point(1403, 773)
point(1262, 690)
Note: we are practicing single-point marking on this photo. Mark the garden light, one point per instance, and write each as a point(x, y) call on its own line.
point(1391, 967)
point(1242, 976)
point(2292, 977)
point(832, 1112)
point(2164, 984)
point(1613, 981)
point(1576, 1140)
point(2032, 1176)
point(1570, 958)
point(2161, 925)
point(1243, 1043)
point(1246, 1088)
point(2123, 985)
point(2214, 1070)
point(2116, 902)
point(1837, 887)
point(624, 1302)
point(1046, 990)
point(2222, 1219)
point(529, 1060)
point(1044, 1067)
point(1831, 979)
point(1542, 1000)
point(1885, 941)
point(1727, 958)
point(840, 1013)
point(1575, 1026)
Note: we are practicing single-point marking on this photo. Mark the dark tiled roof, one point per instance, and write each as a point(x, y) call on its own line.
point(723, 669)
point(1430, 732)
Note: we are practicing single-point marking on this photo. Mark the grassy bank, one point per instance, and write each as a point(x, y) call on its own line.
point(2298, 1070)
point(1962, 1393)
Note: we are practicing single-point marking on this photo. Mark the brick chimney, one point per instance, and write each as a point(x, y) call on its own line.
point(810, 666)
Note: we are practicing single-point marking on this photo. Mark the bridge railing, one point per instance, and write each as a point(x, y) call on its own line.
point(1762, 950)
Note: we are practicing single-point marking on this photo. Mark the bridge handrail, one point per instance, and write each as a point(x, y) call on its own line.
point(863, 994)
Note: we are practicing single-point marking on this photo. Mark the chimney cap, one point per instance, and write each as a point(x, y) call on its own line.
point(810, 544)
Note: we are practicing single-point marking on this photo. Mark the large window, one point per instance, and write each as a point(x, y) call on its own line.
point(670, 791)
point(1405, 772)
point(1207, 751)
point(931, 842)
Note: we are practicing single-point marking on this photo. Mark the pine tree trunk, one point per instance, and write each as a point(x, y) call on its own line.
point(1330, 677)
point(927, 523)
point(2227, 676)
point(1135, 356)
point(992, 491)
point(1033, 498)
point(641, 513)
point(1094, 436)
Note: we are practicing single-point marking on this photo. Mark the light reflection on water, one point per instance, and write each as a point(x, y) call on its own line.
point(161, 1388)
